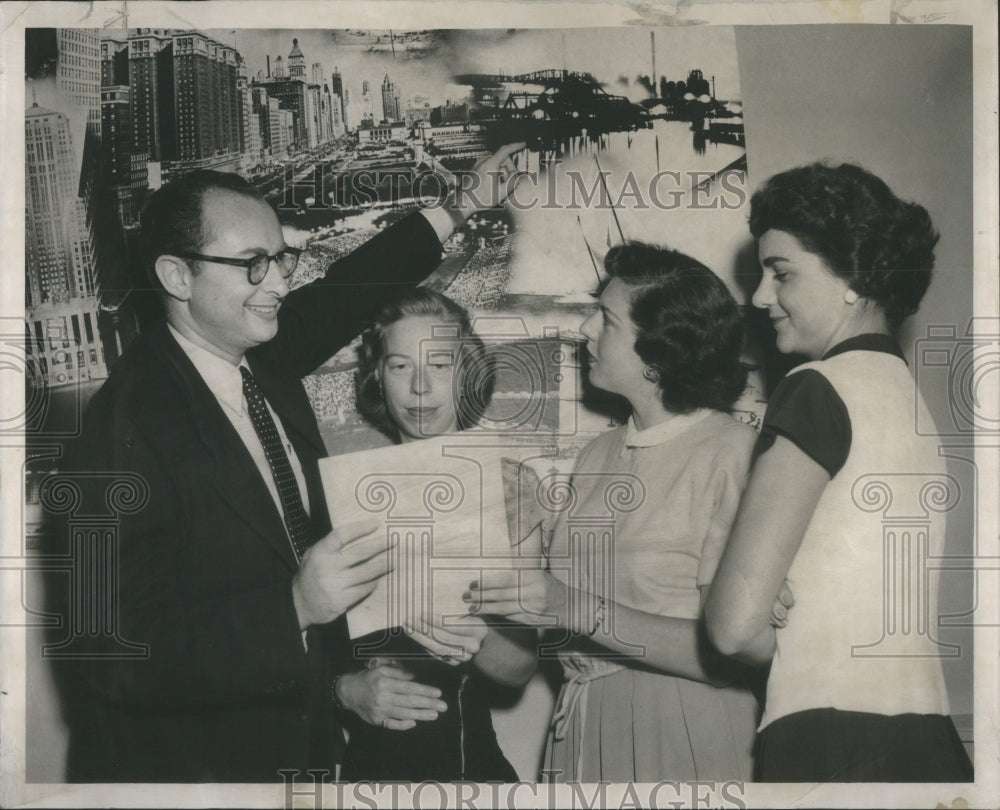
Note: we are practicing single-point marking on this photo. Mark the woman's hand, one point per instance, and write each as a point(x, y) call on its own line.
point(784, 601)
point(454, 644)
point(529, 596)
point(387, 696)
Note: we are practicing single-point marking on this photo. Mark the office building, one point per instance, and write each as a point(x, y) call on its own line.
point(390, 101)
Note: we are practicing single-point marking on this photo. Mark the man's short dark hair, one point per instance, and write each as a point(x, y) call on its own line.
point(688, 326)
point(172, 221)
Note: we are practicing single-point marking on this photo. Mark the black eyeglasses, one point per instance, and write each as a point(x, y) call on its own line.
point(287, 260)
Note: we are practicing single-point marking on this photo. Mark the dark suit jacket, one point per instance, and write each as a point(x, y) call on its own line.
point(228, 691)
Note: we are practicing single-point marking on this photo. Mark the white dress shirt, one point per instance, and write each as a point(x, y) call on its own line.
point(226, 384)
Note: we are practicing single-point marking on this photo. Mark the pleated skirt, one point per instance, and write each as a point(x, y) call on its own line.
point(640, 726)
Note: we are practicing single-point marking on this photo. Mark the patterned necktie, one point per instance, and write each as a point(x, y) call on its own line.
point(296, 519)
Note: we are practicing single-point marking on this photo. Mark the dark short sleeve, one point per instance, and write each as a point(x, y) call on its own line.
point(807, 411)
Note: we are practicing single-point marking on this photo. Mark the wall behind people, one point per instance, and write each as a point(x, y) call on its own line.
point(898, 101)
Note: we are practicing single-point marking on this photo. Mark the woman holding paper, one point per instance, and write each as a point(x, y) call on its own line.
point(646, 698)
point(419, 711)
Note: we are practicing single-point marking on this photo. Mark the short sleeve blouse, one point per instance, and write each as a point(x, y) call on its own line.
point(807, 411)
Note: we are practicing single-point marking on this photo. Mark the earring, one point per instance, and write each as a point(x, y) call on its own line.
point(850, 296)
point(651, 374)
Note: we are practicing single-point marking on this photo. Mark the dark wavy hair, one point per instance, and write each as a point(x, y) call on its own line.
point(688, 326)
point(173, 222)
point(881, 245)
point(475, 376)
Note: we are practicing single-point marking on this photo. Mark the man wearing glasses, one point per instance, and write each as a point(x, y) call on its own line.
point(229, 574)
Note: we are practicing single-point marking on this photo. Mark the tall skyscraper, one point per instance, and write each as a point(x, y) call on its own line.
point(90, 221)
point(337, 123)
point(124, 187)
point(123, 170)
point(278, 137)
point(114, 59)
point(291, 96)
point(296, 62)
point(287, 129)
point(326, 113)
point(255, 146)
point(367, 102)
point(78, 74)
point(52, 182)
point(186, 104)
point(338, 89)
point(311, 114)
point(58, 236)
point(207, 100)
point(295, 96)
point(390, 100)
point(249, 131)
point(151, 79)
point(266, 109)
point(116, 133)
point(60, 278)
point(322, 92)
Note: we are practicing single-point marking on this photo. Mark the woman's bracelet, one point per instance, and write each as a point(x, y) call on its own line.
point(599, 613)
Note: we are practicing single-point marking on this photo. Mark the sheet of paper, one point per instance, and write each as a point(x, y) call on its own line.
point(441, 503)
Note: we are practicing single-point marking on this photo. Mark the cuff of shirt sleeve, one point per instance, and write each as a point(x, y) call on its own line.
point(443, 220)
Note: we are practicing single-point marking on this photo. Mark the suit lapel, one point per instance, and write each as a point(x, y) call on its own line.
point(236, 477)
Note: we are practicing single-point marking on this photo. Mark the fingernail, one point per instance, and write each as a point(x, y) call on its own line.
point(466, 597)
point(474, 608)
point(474, 585)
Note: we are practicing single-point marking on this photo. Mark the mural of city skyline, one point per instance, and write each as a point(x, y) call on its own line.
point(115, 113)
point(630, 134)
